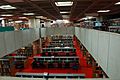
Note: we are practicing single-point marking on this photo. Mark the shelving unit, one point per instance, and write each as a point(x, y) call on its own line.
point(5, 68)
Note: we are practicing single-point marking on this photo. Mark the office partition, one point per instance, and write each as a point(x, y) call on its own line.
point(2, 44)
point(9, 42)
point(114, 56)
point(18, 39)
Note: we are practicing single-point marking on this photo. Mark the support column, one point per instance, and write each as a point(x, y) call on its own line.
point(32, 23)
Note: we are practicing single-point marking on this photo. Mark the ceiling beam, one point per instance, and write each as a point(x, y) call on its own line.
point(56, 8)
point(89, 7)
point(111, 4)
point(73, 8)
point(22, 9)
point(39, 8)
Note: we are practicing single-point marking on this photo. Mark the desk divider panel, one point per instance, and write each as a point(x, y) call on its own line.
point(9, 42)
point(114, 57)
point(2, 44)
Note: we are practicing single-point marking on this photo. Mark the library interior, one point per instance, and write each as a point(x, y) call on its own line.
point(59, 39)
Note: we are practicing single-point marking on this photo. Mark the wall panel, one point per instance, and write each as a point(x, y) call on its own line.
point(18, 39)
point(114, 57)
point(2, 44)
point(95, 44)
point(43, 32)
point(9, 42)
point(103, 47)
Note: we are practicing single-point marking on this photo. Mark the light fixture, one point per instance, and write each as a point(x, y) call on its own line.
point(6, 15)
point(118, 3)
point(2, 18)
point(64, 12)
point(7, 7)
point(100, 11)
point(68, 3)
point(18, 21)
point(28, 14)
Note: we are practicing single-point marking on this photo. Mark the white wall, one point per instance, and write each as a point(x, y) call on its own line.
point(104, 47)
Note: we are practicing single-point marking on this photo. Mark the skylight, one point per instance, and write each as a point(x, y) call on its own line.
point(7, 7)
point(64, 12)
point(6, 15)
point(69, 3)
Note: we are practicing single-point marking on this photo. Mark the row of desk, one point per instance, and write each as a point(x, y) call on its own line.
point(59, 54)
point(49, 75)
point(40, 58)
point(60, 45)
point(59, 49)
point(56, 62)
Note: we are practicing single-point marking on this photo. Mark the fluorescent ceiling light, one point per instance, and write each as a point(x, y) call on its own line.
point(2, 18)
point(118, 3)
point(64, 12)
point(103, 11)
point(7, 7)
point(18, 21)
point(6, 15)
point(69, 3)
point(28, 14)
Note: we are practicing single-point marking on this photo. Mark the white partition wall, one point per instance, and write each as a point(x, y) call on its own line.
point(37, 33)
point(2, 44)
point(90, 40)
point(9, 42)
point(43, 32)
point(114, 57)
point(25, 38)
point(77, 32)
point(103, 47)
point(13, 40)
point(60, 31)
point(18, 39)
point(95, 37)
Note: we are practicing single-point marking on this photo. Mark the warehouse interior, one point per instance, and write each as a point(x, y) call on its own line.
point(59, 39)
